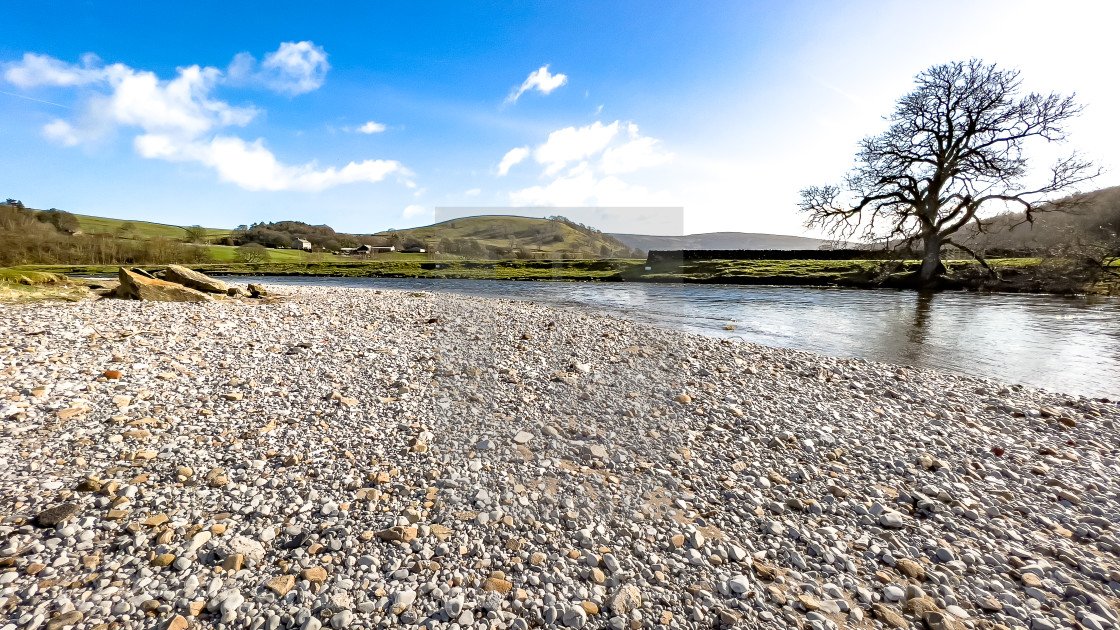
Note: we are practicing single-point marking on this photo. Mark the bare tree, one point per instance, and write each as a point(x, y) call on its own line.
point(195, 234)
point(955, 146)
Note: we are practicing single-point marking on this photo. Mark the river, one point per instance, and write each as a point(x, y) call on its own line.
point(1064, 344)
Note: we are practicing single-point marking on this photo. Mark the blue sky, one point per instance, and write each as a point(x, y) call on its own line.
point(367, 116)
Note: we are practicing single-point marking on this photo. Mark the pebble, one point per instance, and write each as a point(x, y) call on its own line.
point(516, 466)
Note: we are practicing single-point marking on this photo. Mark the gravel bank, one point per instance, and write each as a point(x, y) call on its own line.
point(354, 458)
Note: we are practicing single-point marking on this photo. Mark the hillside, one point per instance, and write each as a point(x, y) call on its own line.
point(1093, 221)
point(514, 237)
point(141, 229)
point(30, 236)
point(719, 240)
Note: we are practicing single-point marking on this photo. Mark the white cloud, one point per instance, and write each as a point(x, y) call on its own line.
point(371, 127)
point(34, 70)
point(640, 152)
point(181, 106)
point(540, 80)
point(253, 167)
point(585, 189)
point(61, 132)
point(413, 211)
point(474, 192)
point(513, 156)
point(294, 68)
point(571, 144)
point(178, 119)
point(599, 153)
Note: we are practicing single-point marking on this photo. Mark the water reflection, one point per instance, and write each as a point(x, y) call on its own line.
point(1069, 344)
point(920, 327)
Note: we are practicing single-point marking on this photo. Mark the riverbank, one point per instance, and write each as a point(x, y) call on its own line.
point(22, 285)
point(357, 458)
point(1025, 275)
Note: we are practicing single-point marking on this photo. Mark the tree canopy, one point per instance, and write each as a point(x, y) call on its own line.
point(955, 146)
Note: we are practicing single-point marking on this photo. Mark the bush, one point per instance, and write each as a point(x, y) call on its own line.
point(252, 253)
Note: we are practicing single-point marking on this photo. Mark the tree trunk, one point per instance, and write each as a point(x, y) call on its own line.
point(931, 260)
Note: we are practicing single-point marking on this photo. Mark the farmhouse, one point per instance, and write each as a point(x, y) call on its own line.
point(301, 244)
point(374, 249)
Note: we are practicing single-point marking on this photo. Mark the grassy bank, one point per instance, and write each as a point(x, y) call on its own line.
point(23, 285)
point(1019, 274)
point(573, 270)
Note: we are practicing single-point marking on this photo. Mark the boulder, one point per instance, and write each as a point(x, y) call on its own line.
point(256, 290)
point(135, 286)
point(195, 280)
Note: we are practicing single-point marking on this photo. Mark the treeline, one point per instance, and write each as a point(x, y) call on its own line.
point(281, 234)
point(609, 246)
point(51, 237)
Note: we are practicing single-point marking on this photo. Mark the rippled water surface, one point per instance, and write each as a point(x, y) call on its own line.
point(1067, 344)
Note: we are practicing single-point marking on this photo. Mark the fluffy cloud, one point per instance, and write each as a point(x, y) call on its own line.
point(513, 156)
point(34, 70)
point(178, 119)
point(584, 163)
point(371, 127)
point(584, 188)
point(571, 144)
point(253, 167)
point(294, 68)
point(62, 132)
point(638, 153)
point(540, 80)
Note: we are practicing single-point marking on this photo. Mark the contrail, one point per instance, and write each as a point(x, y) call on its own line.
point(28, 98)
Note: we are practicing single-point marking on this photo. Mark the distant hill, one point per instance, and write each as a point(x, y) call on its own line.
point(1094, 220)
point(502, 236)
point(719, 240)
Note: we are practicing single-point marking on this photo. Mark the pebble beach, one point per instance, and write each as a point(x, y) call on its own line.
point(352, 458)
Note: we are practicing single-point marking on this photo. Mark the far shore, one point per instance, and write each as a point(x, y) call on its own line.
point(1018, 275)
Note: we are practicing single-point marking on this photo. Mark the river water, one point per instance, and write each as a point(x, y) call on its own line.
point(1064, 344)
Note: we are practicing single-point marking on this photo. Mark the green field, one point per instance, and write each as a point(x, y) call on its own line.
point(140, 229)
point(228, 253)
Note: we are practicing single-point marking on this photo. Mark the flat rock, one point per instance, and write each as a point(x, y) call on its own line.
point(52, 516)
point(138, 287)
point(195, 280)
